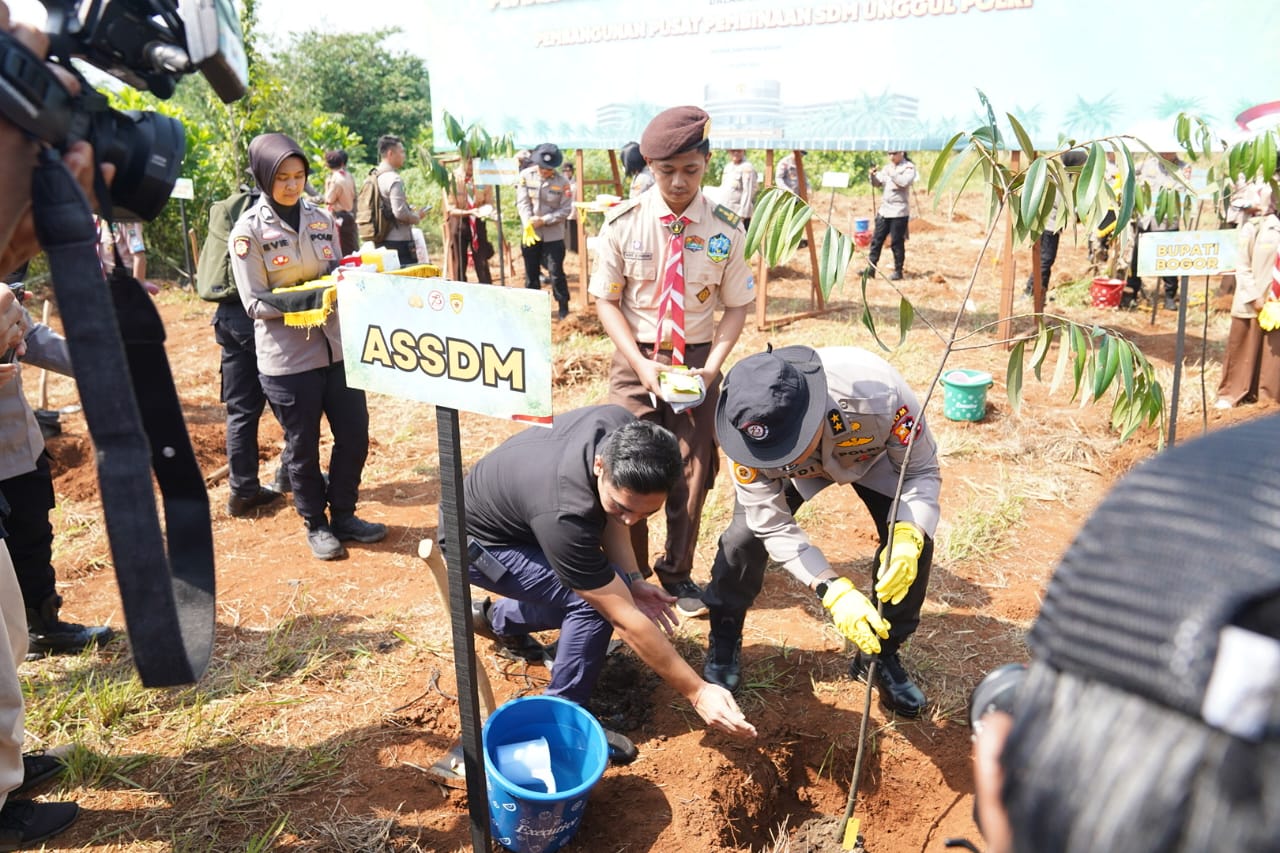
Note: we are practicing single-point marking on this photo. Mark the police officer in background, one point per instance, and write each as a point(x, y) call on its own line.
point(280, 242)
point(668, 260)
point(738, 186)
point(545, 200)
point(793, 421)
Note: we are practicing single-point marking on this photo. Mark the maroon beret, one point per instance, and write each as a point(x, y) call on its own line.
point(675, 131)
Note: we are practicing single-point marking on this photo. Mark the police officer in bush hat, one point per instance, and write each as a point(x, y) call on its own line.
point(793, 421)
point(544, 197)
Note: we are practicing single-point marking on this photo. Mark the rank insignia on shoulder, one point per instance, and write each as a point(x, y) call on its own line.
point(620, 208)
point(727, 215)
point(836, 420)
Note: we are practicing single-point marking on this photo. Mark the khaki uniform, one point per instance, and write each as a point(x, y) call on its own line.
point(738, 188)
point(467, 236)
point(871, 415)
point(551, 198)
point(896, 180)
point(267, 253)
point(629, 271)
point(633, 254)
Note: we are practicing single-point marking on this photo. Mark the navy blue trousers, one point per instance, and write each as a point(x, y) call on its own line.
point(535, 600)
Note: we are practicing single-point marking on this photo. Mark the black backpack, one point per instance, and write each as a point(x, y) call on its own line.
point(214, 282)
point(374, 218)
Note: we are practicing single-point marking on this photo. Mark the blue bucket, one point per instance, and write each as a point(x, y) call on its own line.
point(525, 818)
point(860, 225)
point(964, 395)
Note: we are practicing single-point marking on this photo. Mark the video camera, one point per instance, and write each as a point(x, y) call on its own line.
point(148, 44)
point(997, 691)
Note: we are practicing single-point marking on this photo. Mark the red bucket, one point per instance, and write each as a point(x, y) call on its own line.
point(1106, 292)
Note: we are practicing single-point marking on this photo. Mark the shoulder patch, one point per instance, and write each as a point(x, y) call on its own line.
point(241, 246)
point(620, 208)
point(726, 215)
point(745, 474)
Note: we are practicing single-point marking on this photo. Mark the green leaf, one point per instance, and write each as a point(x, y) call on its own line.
point(1092, 175)
point(1033, 189)
point(833, 262)
point(1126, 367)
point(868, 318)
point(1267, 154)
point(906, 318)
point(1127, 194)
point(1079, 352)
point(1108, 362)
point(1024, 141)
point(766, 207)
point(1044, 340)
point(1013, 376)
point(939, 169)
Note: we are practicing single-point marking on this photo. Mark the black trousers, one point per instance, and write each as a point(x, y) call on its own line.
point(550, 252)
point(241, 394)
point(405, 249)
point(30, 539)
point(301, 399)
point(1048, 255)
point(895, 226)
point(737, 574)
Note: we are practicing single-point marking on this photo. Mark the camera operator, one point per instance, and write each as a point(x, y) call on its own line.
point(23, 822)
point(1148, 720)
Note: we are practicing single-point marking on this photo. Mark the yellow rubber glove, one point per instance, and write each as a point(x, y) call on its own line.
point(1269, 316)
point(854, 616)
point(897, 577)
point(530, 235)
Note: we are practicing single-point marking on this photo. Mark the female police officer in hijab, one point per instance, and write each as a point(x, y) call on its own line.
point(281, 242)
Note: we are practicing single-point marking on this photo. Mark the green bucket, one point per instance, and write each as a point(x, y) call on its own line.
point(964, 395)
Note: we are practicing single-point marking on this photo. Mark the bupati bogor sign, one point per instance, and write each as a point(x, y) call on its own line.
point(471, 347)
point(1180, 253)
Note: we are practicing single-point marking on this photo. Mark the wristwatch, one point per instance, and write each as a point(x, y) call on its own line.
point(821, 589)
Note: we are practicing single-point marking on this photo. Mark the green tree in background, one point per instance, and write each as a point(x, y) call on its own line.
point(360, 83)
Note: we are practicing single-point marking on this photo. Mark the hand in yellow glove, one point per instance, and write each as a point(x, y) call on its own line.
point(854, 616)
point(1269, 316)
point(530, 235)
point(897, 577)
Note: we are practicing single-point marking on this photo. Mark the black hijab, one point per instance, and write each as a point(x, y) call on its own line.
point(266, 152)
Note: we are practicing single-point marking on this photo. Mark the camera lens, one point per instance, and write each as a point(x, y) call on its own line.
point(996, 691)
point(146, 149)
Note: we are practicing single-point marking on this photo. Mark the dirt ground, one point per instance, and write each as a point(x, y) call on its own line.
point(1018, 486)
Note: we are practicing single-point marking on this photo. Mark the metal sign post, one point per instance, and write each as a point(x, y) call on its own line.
point(184, 190)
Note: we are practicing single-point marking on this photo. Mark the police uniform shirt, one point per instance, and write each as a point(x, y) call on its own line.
point(633, 255)
point(896, 180)
point(871, 413)
point(267, 253)
point(738, 187)
point(551, 198)
point(539, 488)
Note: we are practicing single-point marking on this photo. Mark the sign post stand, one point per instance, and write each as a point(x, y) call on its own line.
point(183, 190)
point(458, 346)
point(1206, 253)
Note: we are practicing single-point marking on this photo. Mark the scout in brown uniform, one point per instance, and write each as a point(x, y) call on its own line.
point(654, 324)
point(464, 218)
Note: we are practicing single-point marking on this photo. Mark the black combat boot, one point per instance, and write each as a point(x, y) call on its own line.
point(724, 651)
point(49, 635)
